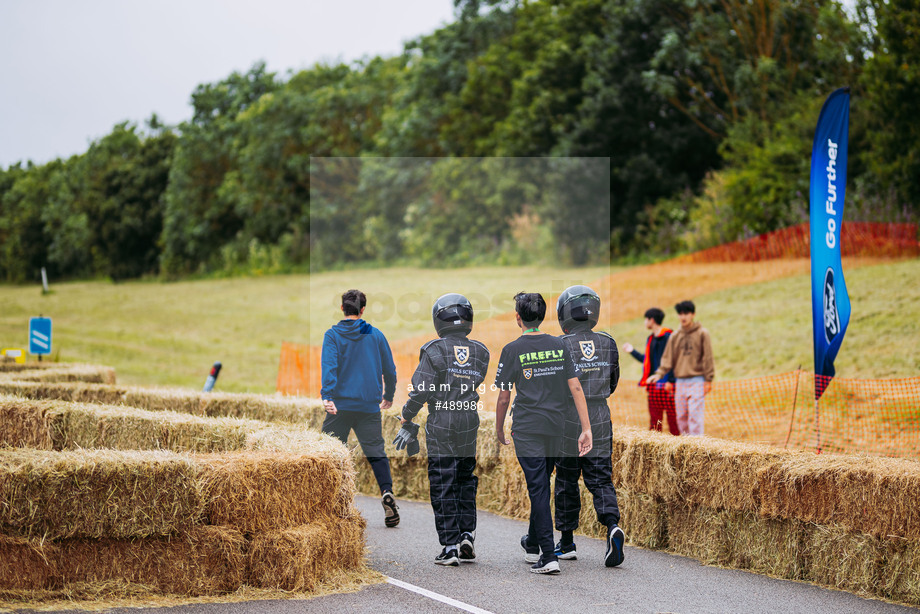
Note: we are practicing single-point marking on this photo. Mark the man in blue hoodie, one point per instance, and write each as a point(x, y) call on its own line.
point(356, 357)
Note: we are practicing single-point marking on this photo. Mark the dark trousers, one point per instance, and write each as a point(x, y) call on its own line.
point(536, 455)
point(596, 469)
point(661, 403)
point(451, 440)
point(368, 430)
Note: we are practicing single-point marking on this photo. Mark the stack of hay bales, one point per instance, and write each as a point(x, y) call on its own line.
point(181, 524)
point(848, 522)
point(166, 502)
point(96, 517)
point(305, 412)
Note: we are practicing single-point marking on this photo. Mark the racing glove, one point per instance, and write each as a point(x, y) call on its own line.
point(407, 438)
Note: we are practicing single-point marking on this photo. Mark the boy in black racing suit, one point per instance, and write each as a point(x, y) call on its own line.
point(599, 371)
point(450, 370)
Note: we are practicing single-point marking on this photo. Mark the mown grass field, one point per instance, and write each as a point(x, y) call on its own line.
point(170, 333)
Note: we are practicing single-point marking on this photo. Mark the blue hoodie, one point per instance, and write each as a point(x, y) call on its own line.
point(355, 357)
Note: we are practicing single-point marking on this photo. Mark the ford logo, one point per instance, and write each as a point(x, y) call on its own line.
point(831, 317)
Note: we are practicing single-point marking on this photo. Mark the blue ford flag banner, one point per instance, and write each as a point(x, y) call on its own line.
point(830, 304)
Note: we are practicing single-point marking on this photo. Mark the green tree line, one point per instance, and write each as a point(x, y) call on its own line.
point(705, 109)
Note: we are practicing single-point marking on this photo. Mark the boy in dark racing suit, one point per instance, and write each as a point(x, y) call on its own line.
point(450, 370)
point(597, 359)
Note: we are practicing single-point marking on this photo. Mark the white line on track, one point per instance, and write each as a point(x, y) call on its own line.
point(437, 597)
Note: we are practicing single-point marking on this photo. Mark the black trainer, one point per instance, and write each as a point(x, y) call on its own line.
point(546, 565)
point(447, 557)
point(467, 553)
point(531, 553)
point(615, 539)
point(390, 515)
point(566, 552)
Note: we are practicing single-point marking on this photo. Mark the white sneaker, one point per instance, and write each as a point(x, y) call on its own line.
point(546, 567)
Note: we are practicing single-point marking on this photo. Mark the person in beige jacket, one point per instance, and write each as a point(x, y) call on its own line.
point(689, 355)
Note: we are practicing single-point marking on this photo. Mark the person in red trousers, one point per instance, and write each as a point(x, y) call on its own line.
point(660, 394)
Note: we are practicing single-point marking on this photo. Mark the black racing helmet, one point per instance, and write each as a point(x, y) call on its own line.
point(578, 309)
point(452, 313)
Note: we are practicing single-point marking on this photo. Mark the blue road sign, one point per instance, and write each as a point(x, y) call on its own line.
point(40, 336)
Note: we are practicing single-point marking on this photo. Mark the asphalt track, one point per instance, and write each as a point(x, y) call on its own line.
point(499, 581)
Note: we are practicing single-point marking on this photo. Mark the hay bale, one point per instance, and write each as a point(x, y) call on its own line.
point(79, 392)
point(344, 504)
point(164, 399)
point(764, 545)
point(691, 470)
point(24, 424)
point(862, 493)
point(619, 444)
point(295, 410)
point(900, 579)
point(201, 561)
point(840, 559)
point(721, 474)
point(27, 564)
point(69, 373)
point(204, 560)
point(488, 450)
point(698, 533)
point(307, 412)
point(94, 596)
point(97, 494)
point(125, 428)
point(643, 519)
point(289, 438)
point(8, 365)
point(262, 491)
point(62, 425)
point(737, 539)
point(648, 463)
point(298, 558)
point(299, 440)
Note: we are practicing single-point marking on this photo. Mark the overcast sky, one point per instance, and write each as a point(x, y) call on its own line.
point(72, 69)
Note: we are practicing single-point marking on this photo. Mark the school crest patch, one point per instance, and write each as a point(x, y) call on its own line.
point(462, 354)
point(587, 349)
point(528, 373)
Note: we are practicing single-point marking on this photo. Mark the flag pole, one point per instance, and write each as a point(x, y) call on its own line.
point(817, 426)
point(795, 398)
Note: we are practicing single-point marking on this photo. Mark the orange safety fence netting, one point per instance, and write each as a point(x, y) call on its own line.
point(880, 417)
point(863, 239)
point(872, 416)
